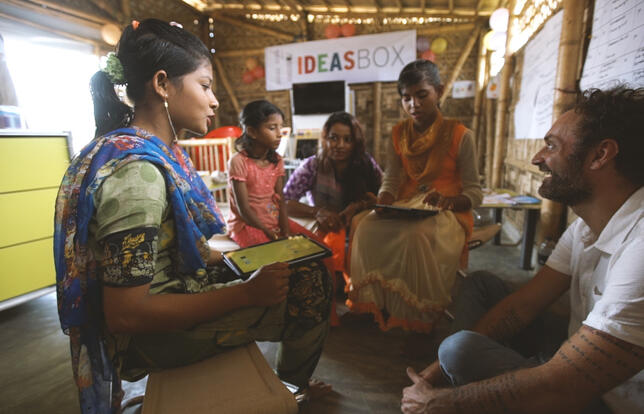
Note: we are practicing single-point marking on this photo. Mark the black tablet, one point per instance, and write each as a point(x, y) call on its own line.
point(409, 212)
point(294, 249)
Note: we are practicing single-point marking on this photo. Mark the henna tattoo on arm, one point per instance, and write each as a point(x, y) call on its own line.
point(495, 395)
point(599, 360)
point(507, 326)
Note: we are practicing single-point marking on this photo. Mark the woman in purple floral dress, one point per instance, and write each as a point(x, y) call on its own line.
point(339, 182)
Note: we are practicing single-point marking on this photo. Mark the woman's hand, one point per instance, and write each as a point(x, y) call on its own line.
point(268, 285)
point(215, 257)
point(356, 207)
point(284, 233)
point(328, 220)
point(456, 203)
point(272, 235)
point(387, 199)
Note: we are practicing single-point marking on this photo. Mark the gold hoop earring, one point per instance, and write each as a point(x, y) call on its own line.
point(174, 133)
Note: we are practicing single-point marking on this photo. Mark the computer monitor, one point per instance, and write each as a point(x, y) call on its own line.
point(318, 97)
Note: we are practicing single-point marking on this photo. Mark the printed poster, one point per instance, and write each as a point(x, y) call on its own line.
point(616, 50)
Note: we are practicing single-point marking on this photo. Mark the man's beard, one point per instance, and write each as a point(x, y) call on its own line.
point(568, 188)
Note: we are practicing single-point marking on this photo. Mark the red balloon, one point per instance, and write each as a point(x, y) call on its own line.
point(258, 72)
point(348, 29)
point(332, 31)
point(248, 77)
point(429, 55)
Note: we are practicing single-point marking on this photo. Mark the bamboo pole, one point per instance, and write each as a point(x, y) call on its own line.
point(377, 120)
point(481, 75)
point(448, 28)
point(224, 81)
point(250, 26)
point(568, 64)
point(489, 140)
point(459, 63)
point(240, 53)
point(203, 23)
point(501, 128)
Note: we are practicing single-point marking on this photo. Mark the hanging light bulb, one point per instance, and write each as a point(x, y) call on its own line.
point(497, 41)
point(499, 20)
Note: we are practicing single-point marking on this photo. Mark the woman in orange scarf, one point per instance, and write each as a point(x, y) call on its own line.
point(402, 269)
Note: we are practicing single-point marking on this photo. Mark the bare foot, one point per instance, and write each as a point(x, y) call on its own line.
point(314, 390)
point(317, 388)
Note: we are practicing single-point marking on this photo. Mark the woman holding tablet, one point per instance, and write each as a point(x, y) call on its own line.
point(139, 289)
point(402, 269)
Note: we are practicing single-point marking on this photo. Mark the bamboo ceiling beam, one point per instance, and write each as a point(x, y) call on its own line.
point(451, 6)
point(422, 6)
point(254, 27)
point(459, 63)
point(188, 6)
point(447, 28)
point(56, 10)
point(100, 4)
point(240, 53)
point(378, 13)
point(127, 10)
point(226, 83)
point(302, 21)
point(97, 45)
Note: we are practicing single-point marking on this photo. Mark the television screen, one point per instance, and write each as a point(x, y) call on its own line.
point(318, 97)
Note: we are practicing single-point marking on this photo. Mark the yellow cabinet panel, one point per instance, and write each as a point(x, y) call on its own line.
point(26, 267)
point(32, 162)
point(26, 216)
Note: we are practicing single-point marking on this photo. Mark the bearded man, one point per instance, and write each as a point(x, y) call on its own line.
point(594, 162)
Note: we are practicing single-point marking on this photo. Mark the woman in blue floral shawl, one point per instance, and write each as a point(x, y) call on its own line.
point(138, 287)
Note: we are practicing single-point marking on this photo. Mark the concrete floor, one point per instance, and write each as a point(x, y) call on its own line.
point(364, 365)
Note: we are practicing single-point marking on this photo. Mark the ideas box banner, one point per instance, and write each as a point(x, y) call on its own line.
point(368, 58)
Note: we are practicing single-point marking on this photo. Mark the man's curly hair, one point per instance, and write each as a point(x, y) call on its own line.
point(616, 114)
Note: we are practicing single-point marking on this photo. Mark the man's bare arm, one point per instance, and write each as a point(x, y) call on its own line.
point(514, 313)
point(590, 363)
point(518, 310)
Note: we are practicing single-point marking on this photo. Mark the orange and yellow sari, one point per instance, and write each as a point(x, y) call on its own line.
point(402, 270)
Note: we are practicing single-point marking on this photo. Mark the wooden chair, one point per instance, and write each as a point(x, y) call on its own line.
point(211, 155)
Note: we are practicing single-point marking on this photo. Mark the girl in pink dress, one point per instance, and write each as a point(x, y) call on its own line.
point(256, 179)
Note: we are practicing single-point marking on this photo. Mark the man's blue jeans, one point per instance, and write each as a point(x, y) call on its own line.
point(467, 356)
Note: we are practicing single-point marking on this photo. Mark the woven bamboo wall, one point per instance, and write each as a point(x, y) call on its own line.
point(229, 37)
